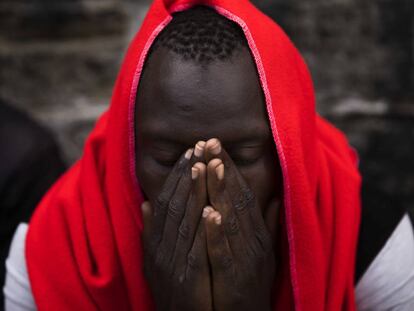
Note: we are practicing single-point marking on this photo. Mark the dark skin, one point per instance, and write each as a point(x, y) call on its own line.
point(210, 217)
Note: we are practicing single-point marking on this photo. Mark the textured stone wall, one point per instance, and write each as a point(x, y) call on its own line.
point(361, 56)
point(59, 60)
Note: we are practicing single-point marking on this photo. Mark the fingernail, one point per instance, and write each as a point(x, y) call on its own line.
point(220, 172)
point(144, 205)
point(189, 153)
point(206, 211)
point(200, 166)
point(217, 220)
point(199, 148)
point(216, 148)
point(194, 172)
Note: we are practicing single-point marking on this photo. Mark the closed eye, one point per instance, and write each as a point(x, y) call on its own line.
point(244, 162)
point(165, 157)
point(166, 163)
point(246, 156)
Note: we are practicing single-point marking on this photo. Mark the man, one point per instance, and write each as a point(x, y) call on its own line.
point(249, 200)
point(30, 164)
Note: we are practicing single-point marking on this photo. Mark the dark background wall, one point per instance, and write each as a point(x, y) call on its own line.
point(59, 60)
point(361, 56)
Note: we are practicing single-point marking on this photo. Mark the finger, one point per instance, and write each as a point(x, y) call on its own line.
point(197, 273)
point(197, 258)
point(221, 201)
point(160, 206)
point(218, 250)
point(220, 258)
point(215, 150)
point(215, 185)
point(243, 199)
point(207, 210)
point(192, 217)
point(177, 206)
point(176, 211)
point(212, 149)
point(271, 218)
point(199, 149)
point(234, 181)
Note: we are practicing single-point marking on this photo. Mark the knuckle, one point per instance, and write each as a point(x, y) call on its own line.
point(161, 203)
point(255, 248)
point(249, 197)
point(259, 232)
point(248, 260)
point(248, 193)
point(181, 278)
point(225, 263)
point(245, 201)
point(241, 206)
point(250, 254)
point(192, 261)
point(182, 163)
point(232, 225)
point(174, 210)
point(184, 231)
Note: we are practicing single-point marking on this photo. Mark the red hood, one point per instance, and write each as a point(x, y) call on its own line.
point(83, 248)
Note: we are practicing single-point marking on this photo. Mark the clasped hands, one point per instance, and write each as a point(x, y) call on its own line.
point(206, 243)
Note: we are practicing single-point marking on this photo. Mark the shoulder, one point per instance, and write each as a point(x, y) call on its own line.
point(21, 134)
point(26, 145)
point(17, 290)
point(388, 282)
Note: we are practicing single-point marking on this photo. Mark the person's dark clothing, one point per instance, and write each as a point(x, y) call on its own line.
point(29, 164)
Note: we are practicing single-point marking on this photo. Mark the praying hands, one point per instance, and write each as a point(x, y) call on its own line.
point(207, 244)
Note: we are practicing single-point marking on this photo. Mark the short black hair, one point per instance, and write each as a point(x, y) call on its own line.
point(202, 35)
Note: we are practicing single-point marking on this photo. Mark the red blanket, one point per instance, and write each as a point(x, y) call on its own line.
point(83, 248)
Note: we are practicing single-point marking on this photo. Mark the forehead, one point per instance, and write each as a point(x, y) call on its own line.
point(223, 99)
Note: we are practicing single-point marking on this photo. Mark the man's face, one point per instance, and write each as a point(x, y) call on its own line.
point(181, 102)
